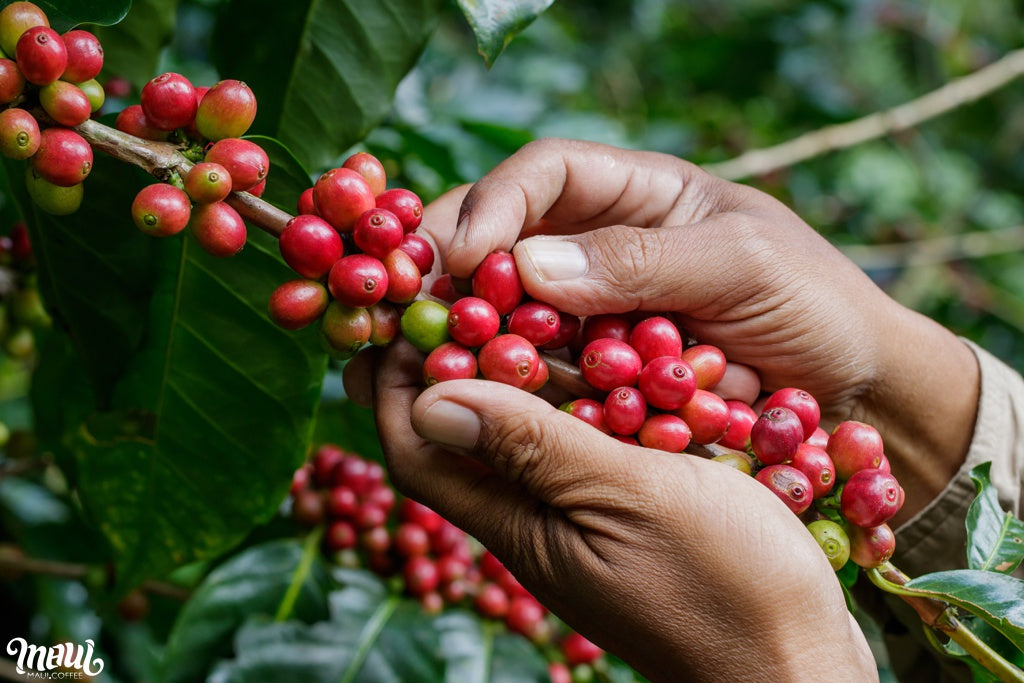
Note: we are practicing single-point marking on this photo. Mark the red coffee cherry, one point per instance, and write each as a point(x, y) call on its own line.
point(473, 321)
point(340, 535)
point(419, 250)
point(708, 362)
point(161, 210)
point(297, 303)
point(386, 323)
point(539, 379)
point(226, 110)
point(404, 279)
point(870, 497)
point(358, 280)
point(496, 279)
point(15, 19)
point(41, 55)
point(741, 419)
point(870, 547)
point(404, 204)
point(625, 410)
point(656, 336)
point(169, 102)
point(341, 196)
point(63, 158)
point(308, 507)
point(305, 204)
point(665, 432)
point(526, 617)
point(815, 463)
point(509, 359)
point(568, 328)
point(65, 103)
point(342, 502)
point(132, 120)
point(368, 166)
point(218, 229)
point(85, 56)
point(448, 361)
point(19, 134)
point(578, 650)
point(609, 363)
point(311, 247)
point(776, 435)
point(377, 232)
point(411, 540)
point(535, 321)
point(854, 446)
point(588, 410)
point(345, 329)
point(606, 326)
point(207, 182)
point(246, 161)
point(491, 601)
point(790, 485)
point(667, 382)
point(707, 415)
point(12, 83)
point(801, 403)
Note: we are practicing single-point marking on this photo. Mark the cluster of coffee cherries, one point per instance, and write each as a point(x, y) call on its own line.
point(360, 261)
point(51, 77)
point(21, 306)
point(366, 525)
point(209, 123)
point(649, 385)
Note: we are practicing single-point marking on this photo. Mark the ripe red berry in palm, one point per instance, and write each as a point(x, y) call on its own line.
point(870, 497)
point(246, 161)
point(588, 410)
point(169, 101)
point(790, 485)
point(656, 336)
point(41, 55)
point(776, 435)
point(63, 158)
point(509, 359)
point(814, 462)
point(609, 363)
point(419, 250)
point(311, 247)
point(449, 361)
point(345, 329)
point(404, 279)
point(297, 303)
point(368, 166)
point(800, 402)
point(854, 446)
point(403, 203)
point(377, 232)
point(358, 280)
point(226, 110)
point(708, 362)
point(667, 382)
point(568, 328)
point(535, 321)
point(84, 56)
point(741, 419)
point(665, 432)
point(341, 196)
point(473, 321)
point(207, 182)
point(606, 325)
point(161, 210)
point(707, 415)
point(625, 410)
point(218, 229)
point(497, 280)
point(386, 323)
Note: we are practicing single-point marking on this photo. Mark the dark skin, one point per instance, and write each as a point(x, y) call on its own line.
point(675, 563)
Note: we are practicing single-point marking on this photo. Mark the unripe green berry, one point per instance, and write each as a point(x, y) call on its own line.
point(53, 199)
point(833, 541)
point(425, 325)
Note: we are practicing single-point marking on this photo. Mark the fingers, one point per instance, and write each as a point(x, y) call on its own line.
point(575, 186)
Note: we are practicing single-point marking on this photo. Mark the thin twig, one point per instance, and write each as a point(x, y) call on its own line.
point(936, 250)
point(873, 126)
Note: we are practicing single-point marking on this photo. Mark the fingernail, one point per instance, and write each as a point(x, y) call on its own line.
point(554, 259)
point(450, 424)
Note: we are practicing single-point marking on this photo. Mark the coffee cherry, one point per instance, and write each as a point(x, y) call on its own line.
point(534, 321)
point(134, 606)
point(871, 547)
point(420, 574)
point(341, 196)
point(246, 161)
point(354, 472)
point(404, 279)
point(404, 204)
point(578, 650)
point(41, 55)
point(790, 485)
point(526, 617)
point(377, 232)
point(65, 103)
point(708, 362)
point(368, 166)
point(443, 289)
point(419, 250)
point(540, 378)
point(15, 19)
point(509, 359)
point(737, 460)
point(606, 326)
point(340, 535)
point(625, 410)
point(297, 303)
point(342, 502)
point(833, 540)
point(218, 229)
point(854, 446)
point(132, 120)
point(491, 601)
point(588, 410)
point(776, 435)
point(801, 403)
point(169, 102)
point(741, 419)
point(448, 361)
point(473, 321)
point(870, 497)
point(64, 157)
point(226, 110)
point(667, 382)
point(425, 325)
point(568, 328)
point(665, 432)
point(19, 134)
point(305, 204)
point(12, 83)
point(85, 56)
point(357, 280)
point(609, 363)
point(815, 463)
point(558, 672)
point(345, 329)
point(496, 280)
point(656, 336)
point(819, 438)
point(53, 199)
point(208, 182)
point(161, 210)
point(708, 416)
point(311, 247)
point(386, 323)
point(411, 540)
point(413, 511)
point(308, 508)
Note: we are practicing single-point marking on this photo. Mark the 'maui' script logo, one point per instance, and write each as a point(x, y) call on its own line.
point(69, 658)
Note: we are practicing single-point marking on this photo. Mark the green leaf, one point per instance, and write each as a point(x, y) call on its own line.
point(66, 14)
point(477, 651)
point(132, 48)
point(995, 538)
point(249, 584)
point(324, 71)
point(994, 597)
point(496, 22)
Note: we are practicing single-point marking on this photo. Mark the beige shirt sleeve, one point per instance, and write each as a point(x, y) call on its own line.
point(935, 539)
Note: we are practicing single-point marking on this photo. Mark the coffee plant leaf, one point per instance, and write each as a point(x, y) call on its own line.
point(66, 14)
point(132, 47)
point(995, 538)
point(496, 22)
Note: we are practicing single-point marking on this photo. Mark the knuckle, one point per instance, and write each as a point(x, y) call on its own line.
point(516, 448)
